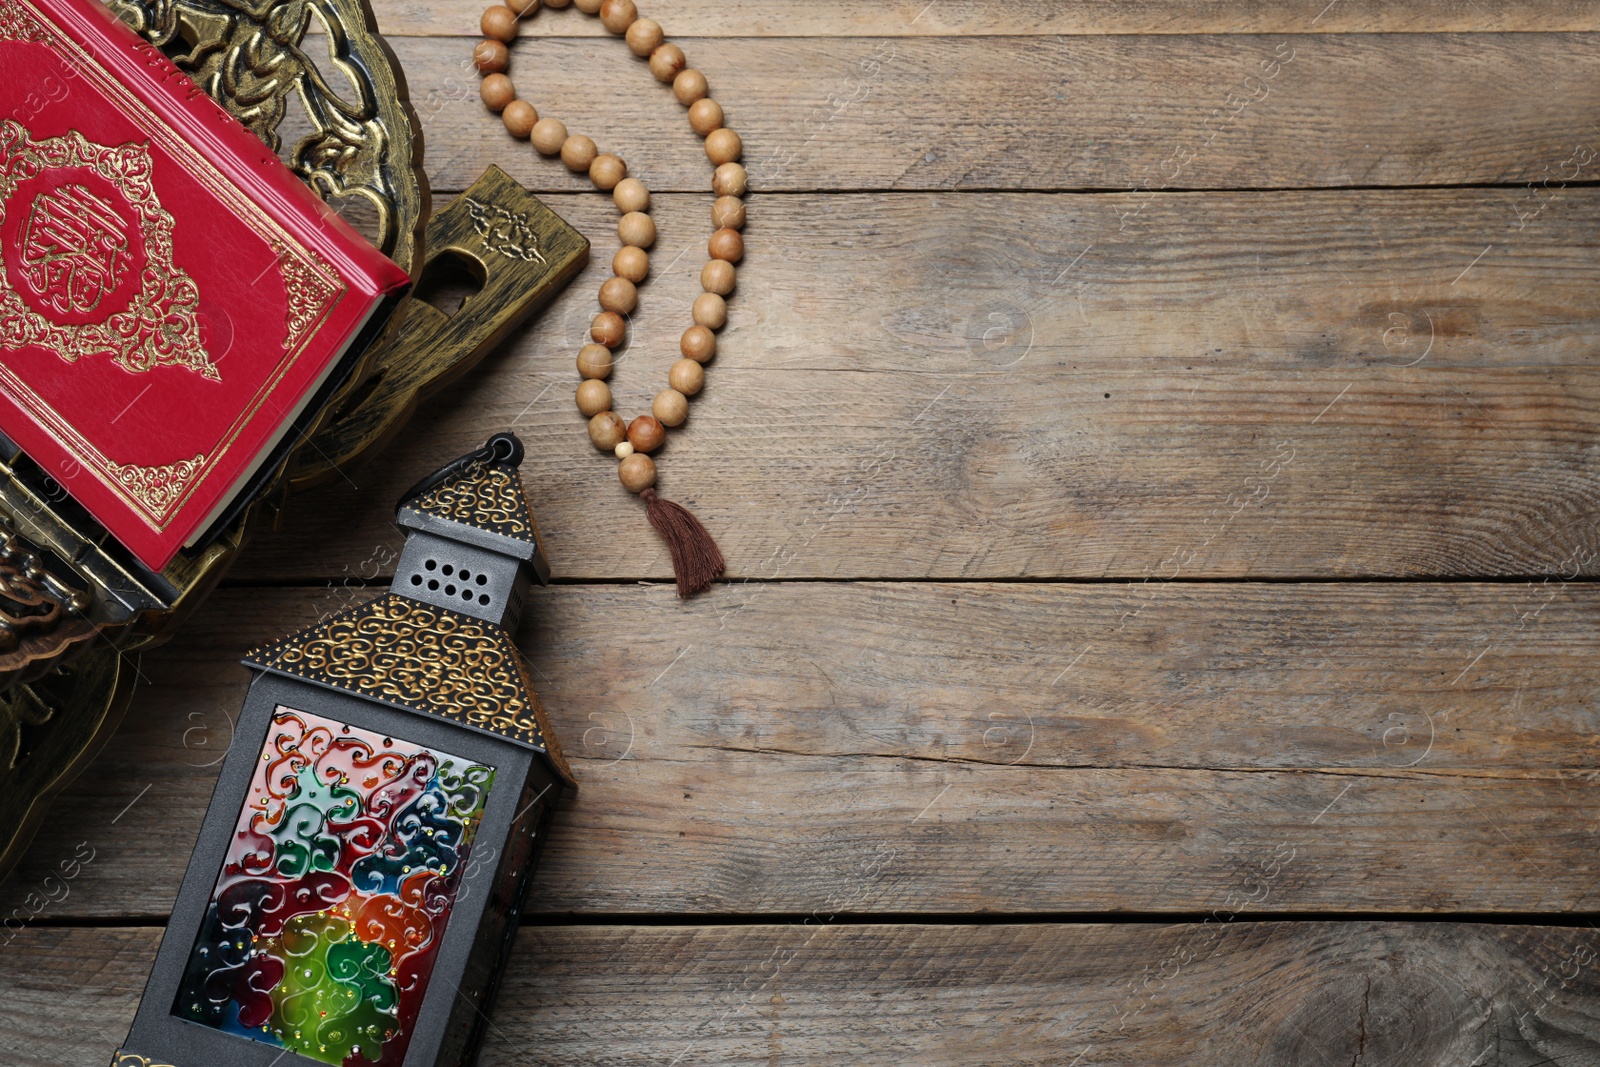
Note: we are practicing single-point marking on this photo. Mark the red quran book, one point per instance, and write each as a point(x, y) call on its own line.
point(173, 299)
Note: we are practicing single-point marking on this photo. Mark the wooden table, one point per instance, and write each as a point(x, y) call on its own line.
point(1154, 444)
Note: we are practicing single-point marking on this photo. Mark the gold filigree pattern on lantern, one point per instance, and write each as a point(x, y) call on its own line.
point(159, 488)
point(487, 496)
point(426, 658)
point(132, 1059)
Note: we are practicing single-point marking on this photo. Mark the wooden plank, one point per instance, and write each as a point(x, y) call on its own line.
point(1017, 748)
point(1220, 993)
point(1129, 112)
point(1312, 384)
point(1039, 18)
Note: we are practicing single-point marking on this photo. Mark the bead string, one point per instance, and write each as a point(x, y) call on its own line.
point(637, 231)
point(695, 557)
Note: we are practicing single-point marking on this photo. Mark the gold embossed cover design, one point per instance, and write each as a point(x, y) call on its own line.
point(172, 298)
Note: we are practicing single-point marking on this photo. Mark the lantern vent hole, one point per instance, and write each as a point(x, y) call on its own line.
point(472, 579)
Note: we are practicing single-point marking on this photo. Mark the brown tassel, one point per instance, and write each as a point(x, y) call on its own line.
point(696, 560)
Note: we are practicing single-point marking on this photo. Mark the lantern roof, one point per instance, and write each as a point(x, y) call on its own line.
point(479, 500)
point(428, 646)
point(423, 658)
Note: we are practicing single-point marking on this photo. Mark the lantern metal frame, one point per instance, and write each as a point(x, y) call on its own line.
point(476, 935)
point(465, 691)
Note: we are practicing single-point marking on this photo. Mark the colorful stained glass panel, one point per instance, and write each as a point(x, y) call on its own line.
point(343, 869)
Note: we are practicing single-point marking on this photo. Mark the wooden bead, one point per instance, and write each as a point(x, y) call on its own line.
point(594, 361)
point(726, 245)
point(577, 152)
point(499, 22)
point(519, 117)
point(667, 62)
point(687, 376)
point(631, 195)
point(618, 15)
point(496, 91)
point(644, 36)
point(632, 263)
point(607, 170)
point(730, 179)
point(705, 116)
point(690, 85)
point(637, 228)
point(491, 56)
point(718, 276)
point(710, 310)
point(698, 344)
point(728, 213)
point(607, 430)
point(619, 295)
point(609, 329)
point(594, 396)
point(638, 473)
point(645, 433)
point(670, 407)
point(549, 135)
point(723, 146)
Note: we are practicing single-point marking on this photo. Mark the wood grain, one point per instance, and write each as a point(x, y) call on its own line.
point(1017, 748)
point(1075, 113)
point(1044, 18)
point(1224, 993)
point(1329, 384)
point(959, 353)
